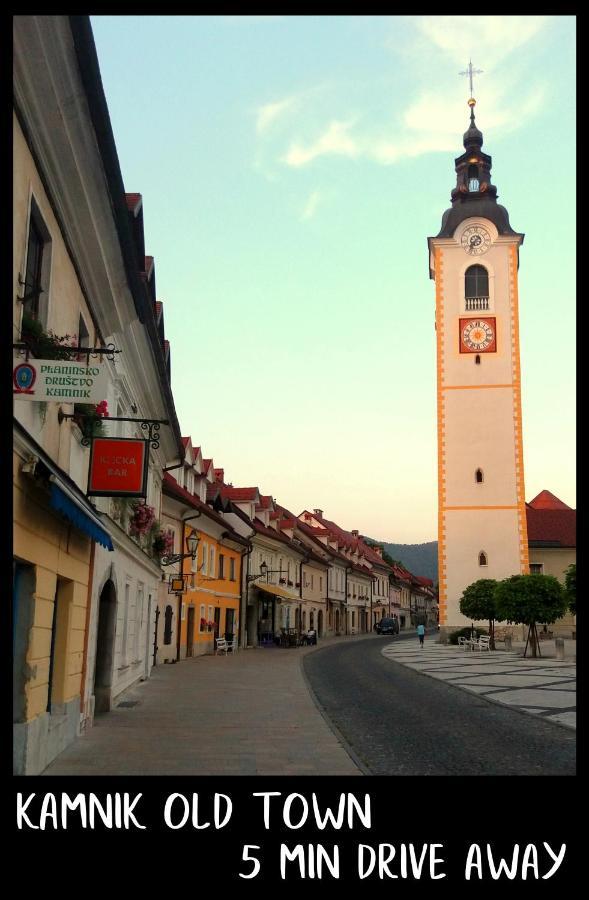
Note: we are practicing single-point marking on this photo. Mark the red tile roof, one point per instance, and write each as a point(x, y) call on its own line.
point(185, 441)
point(556, 527)
point(133, 201)
point(206, 465)
point(233, 493)
point(172, 488)
point(546, 500)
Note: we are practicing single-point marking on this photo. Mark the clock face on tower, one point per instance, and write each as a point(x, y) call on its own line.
point(478, 336)
point(476, 240)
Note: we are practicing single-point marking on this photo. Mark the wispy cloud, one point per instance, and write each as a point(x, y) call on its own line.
point(311, 206)
point(335, 141)
point(491, 38)
point(268, 114)
point(432, 118)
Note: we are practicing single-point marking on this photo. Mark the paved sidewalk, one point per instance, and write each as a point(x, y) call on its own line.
point(245, 714)
point(543, 687)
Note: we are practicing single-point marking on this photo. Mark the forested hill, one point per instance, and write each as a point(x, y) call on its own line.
point(420, 559)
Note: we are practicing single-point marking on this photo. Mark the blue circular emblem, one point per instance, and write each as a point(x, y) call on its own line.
point(24, 377)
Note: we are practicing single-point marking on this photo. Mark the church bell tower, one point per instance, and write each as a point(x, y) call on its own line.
point(474, 262)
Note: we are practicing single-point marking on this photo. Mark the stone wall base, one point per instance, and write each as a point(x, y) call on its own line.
point(38, 742)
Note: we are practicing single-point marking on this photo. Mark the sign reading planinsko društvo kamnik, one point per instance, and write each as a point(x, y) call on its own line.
point(66, 381)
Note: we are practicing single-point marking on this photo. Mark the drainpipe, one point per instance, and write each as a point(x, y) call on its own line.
point(327, 594)
point(371, 587)
point(243, 607)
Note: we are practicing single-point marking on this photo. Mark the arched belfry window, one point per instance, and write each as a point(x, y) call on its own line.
point(479, 476)
point(476, 288)
point(477, 360)
point(483, 560)
point(473, 178)
point(476, 282)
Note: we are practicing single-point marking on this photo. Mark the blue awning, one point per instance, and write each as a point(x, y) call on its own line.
point(73, 510)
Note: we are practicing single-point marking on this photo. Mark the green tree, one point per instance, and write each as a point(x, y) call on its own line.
point(528, 599)
point(478, 602)
point(570, 587)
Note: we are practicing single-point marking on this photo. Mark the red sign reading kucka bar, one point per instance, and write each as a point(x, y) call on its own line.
point(118, 467)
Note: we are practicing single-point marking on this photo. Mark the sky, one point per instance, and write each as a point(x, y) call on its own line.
point(292, 168)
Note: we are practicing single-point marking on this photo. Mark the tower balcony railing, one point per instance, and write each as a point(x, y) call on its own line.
point(476, 303)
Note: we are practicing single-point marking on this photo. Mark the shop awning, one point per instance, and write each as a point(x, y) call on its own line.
point(65, 502)
point(277, 591)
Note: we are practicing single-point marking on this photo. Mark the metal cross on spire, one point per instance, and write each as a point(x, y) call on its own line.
point(470, 72)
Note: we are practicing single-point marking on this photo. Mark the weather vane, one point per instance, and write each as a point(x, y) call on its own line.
point(470, 72)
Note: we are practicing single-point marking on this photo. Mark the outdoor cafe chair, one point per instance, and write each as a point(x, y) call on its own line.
point(464, 643)
point(483, 642)
point(221, 645)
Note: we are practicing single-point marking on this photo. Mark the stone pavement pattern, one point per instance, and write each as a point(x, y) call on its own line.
point(242, 714)
point(543, 687)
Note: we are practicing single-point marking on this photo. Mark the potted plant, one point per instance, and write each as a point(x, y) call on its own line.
point(45, 344)
point(142, 519)
point(89, 418)
point(163, 543)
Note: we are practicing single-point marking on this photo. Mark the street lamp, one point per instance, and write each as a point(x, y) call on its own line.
point(192, 545)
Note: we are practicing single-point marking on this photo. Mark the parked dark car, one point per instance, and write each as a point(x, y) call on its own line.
point(387, 626)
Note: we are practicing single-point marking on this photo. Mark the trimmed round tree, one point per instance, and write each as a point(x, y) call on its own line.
point(570, 587)
point(478, 602)
point(528, 599)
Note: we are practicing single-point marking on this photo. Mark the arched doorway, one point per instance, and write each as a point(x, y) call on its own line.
point(337, 621)
point(320, 623)
point(105, 647)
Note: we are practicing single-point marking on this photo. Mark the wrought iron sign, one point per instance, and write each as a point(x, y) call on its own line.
point(151, 426)
point(177, 584)
point(107, 352)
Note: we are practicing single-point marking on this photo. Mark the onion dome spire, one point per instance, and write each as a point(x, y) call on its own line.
point(474, 195)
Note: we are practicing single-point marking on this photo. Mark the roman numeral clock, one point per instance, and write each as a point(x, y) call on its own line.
point(474, 262)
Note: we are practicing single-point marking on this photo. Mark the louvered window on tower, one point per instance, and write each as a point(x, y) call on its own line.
point(479, 476)
point(483, 559)
point(476, 288)
point(473, 178)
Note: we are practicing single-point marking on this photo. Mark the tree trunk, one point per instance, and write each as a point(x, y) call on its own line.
point(492, 633)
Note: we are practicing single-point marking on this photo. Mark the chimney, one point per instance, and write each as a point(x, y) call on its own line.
point(219, 475)
point(355, 533)
point(318, 513)
point(378, 550)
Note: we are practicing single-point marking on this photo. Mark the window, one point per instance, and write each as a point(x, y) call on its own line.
point(205, 559)
point(83, 335)
point(212, 562)
point(536, 568)
point(483, 561)
point(221, 566)
point(479, 476)
point(476, 282)
point(232, 569)
point(477, 360)
point(202, 626)
point(37, 267)
point(138, 621)
point(320, 583)
point(168, 625)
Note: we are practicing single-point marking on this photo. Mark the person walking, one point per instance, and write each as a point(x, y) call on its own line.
point(421, 634)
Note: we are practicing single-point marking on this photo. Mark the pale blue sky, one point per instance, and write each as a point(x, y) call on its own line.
point(291, 170)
